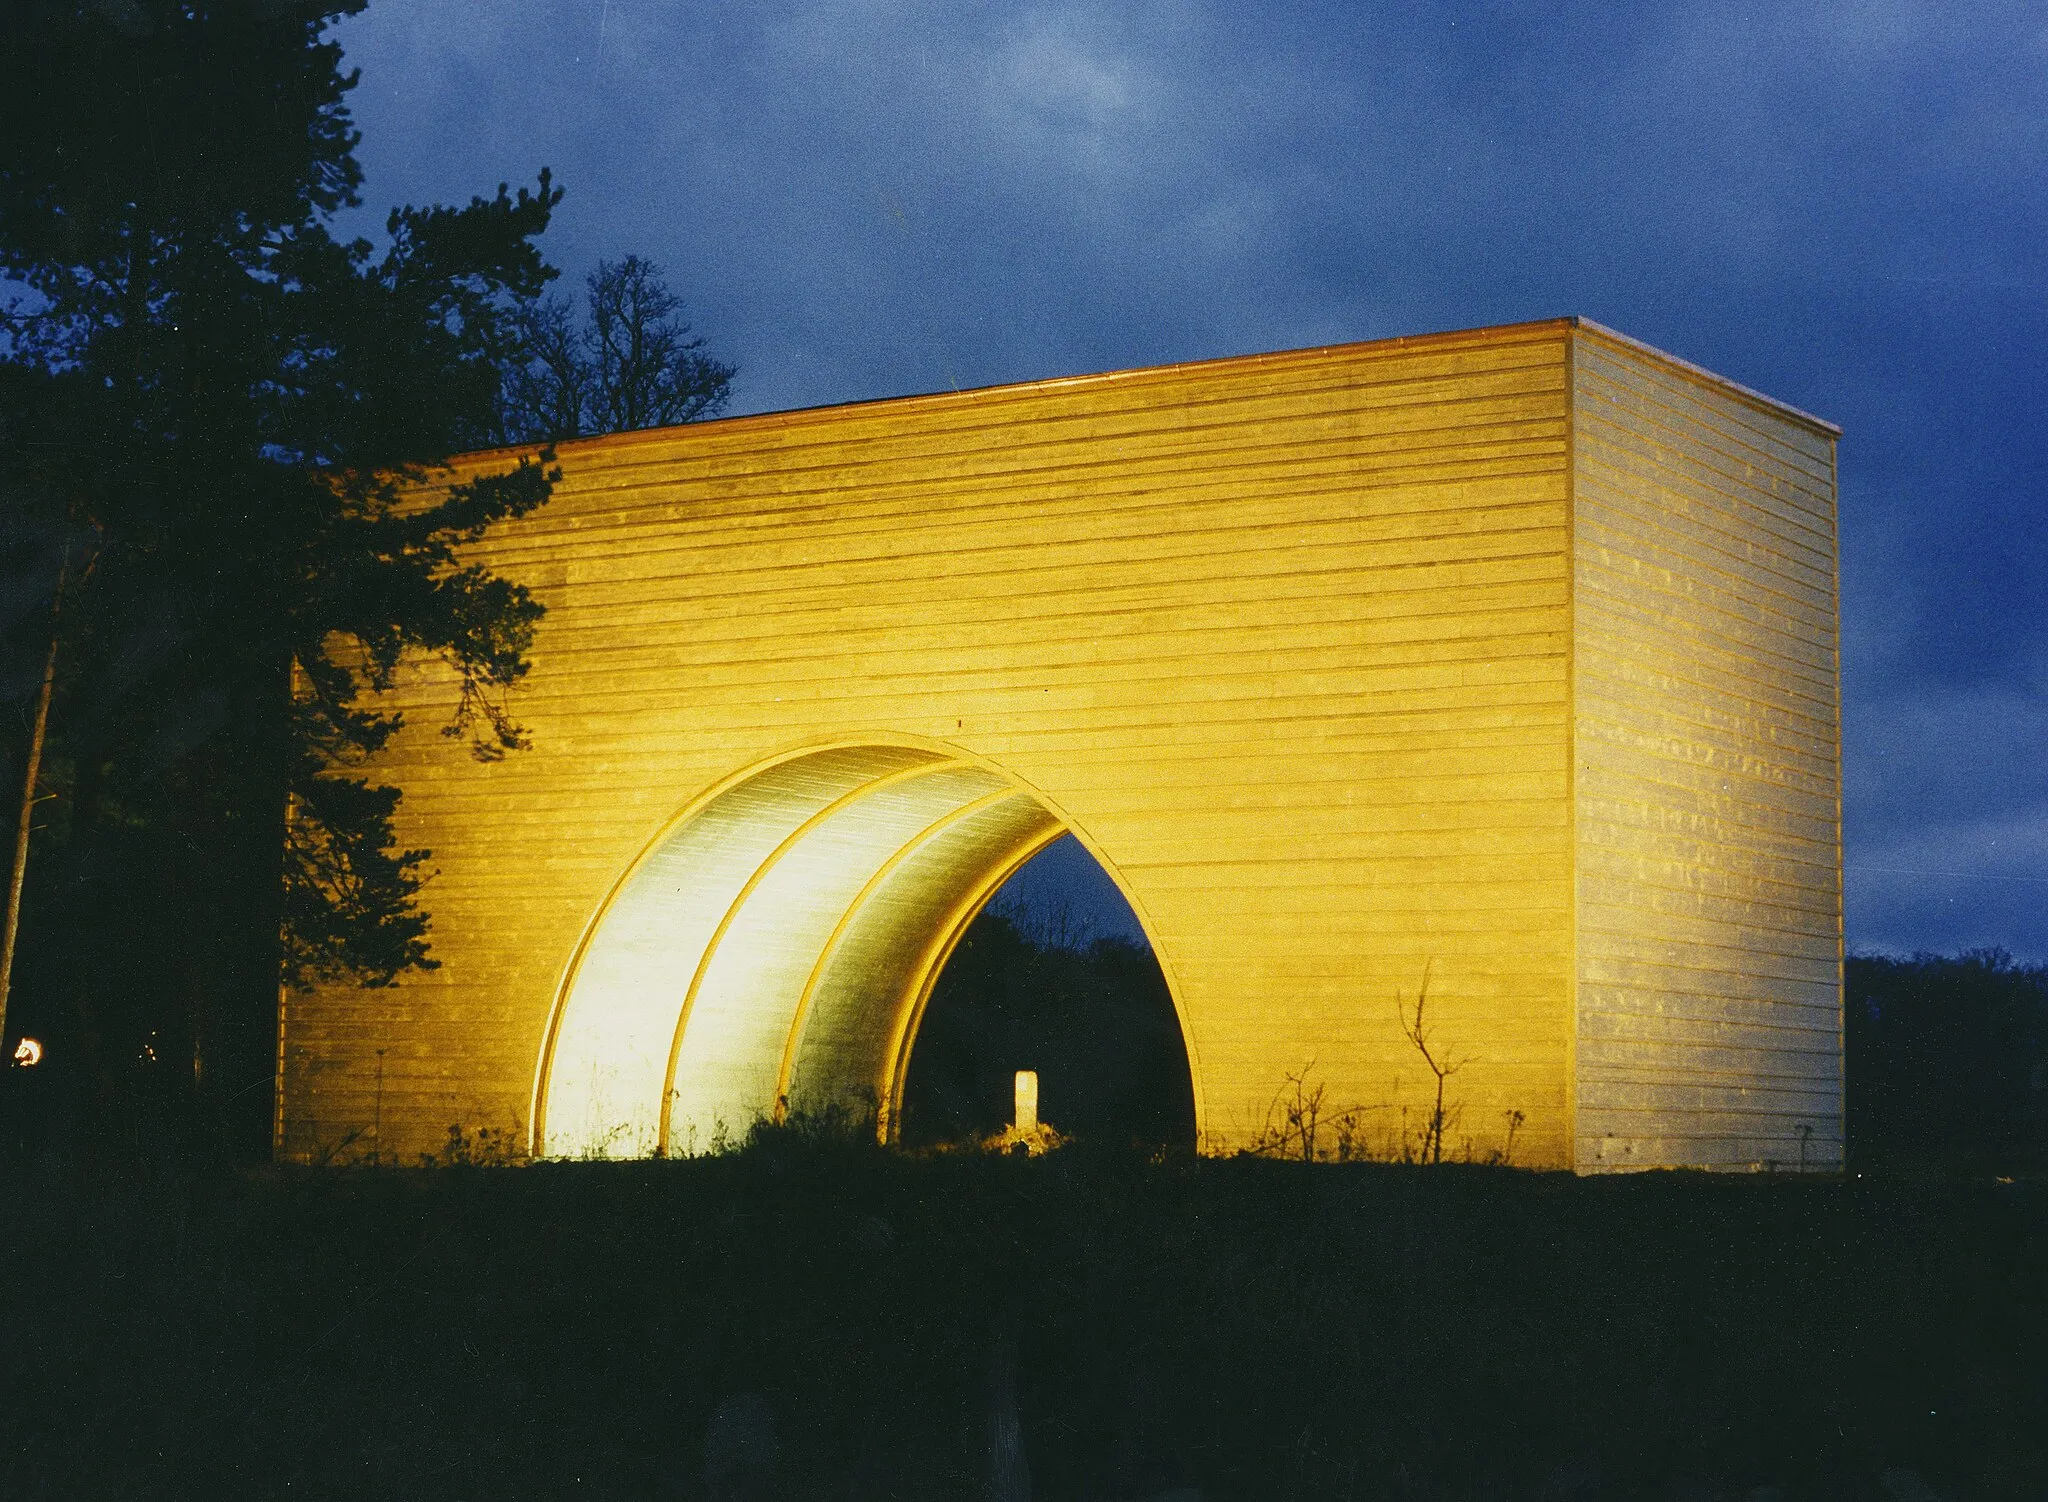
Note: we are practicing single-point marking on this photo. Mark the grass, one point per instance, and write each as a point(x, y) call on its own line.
point(1246, 1328)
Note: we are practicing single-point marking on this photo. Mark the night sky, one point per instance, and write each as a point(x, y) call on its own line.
point(1840, 204)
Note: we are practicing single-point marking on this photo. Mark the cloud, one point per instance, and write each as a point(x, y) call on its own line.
point(1838, 204)
point(1947, 818)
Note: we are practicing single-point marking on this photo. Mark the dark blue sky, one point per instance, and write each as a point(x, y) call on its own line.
point(1840, 204)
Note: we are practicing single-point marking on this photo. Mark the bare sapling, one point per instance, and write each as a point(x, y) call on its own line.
point(1441, 1065)
point(1304, 1112)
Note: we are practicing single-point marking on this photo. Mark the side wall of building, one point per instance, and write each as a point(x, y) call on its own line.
point(1708, 773)
point(1284, 638)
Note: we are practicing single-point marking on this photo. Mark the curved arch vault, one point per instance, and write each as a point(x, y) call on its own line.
point(774, 948)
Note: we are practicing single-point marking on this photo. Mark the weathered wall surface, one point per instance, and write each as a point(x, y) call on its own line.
point(1286, 640)
point(1709, 773)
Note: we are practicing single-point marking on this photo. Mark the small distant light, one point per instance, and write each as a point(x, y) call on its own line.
point(28, 1052)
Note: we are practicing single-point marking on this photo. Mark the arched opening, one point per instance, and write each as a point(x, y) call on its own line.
point(775, 947)
point(1055, 976)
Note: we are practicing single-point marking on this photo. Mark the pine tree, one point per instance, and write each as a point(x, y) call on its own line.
point(211, 406)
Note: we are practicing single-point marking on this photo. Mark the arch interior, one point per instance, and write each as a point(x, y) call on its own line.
point(772, 950)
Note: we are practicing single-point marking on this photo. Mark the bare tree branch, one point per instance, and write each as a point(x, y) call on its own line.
point(631, 361)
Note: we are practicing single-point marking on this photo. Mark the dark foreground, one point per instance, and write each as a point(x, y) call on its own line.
point(807, 1319)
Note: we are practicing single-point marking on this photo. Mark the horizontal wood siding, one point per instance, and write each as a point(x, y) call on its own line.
point(1285, 639)
point(1708, 773)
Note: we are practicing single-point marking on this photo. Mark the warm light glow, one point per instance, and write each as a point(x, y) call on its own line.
point(28, 1052)
point(1507, 657)
point(773, 949)
point(1026, 1117)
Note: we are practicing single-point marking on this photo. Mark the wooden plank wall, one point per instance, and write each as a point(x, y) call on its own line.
point(1709, 772)
point(1284, 638)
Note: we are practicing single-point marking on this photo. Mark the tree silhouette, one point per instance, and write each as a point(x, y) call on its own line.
point(240, 411)
point(623, 359)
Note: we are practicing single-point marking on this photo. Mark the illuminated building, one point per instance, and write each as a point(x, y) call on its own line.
point(1507, 655)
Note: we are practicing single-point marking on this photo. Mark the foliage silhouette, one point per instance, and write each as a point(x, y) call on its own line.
point(1235, 1327)
point(240, 409)
point(1097, 1023)
point(1947, 1061)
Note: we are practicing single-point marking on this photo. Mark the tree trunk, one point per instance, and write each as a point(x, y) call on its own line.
point(30, 776)
point(235, 1000)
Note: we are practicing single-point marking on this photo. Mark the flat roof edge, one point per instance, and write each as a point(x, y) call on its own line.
point(1530, 329)
point(1707, 377)
point(1533, 327)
